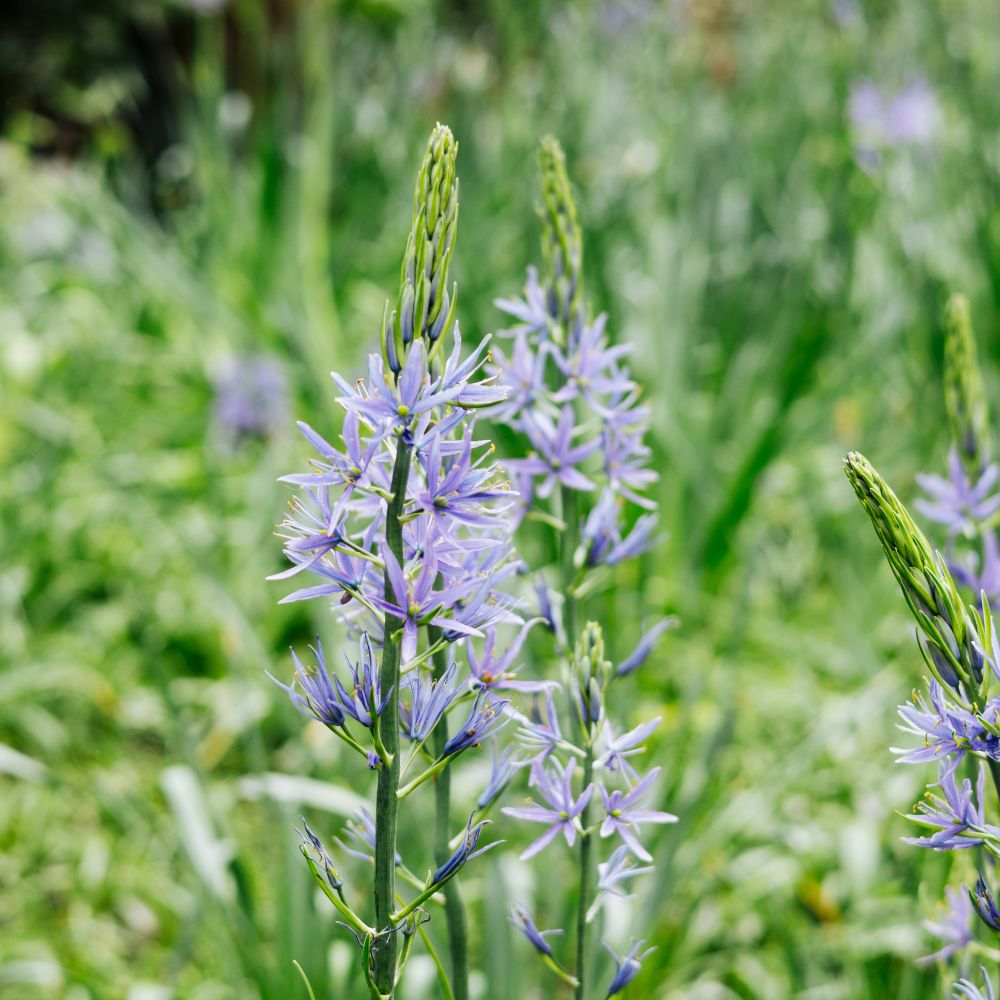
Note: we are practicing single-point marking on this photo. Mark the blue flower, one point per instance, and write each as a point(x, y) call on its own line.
point(960, 505)
point(429, 701)
point(614, 751)
point(563, 809)
point(556, 457)
point(623, 812)
point(610, 875)
point(465, 852)
point(480, 724)
point(954, 929)
point(943, 728)
point(502, 769)
point(985, 906)
point(493, 670)
point(532, 311)
point(319, 697)
point(627, 967)
point(521, 919)
point(644, 647)
point(956, 817)
point(965, 989)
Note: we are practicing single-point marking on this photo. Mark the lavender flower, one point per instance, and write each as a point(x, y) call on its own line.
point(944, 728)
point(319, 697)
point(954, 929)
point(563, 806)
point(521, 919)
point(611, 873)
point(614, 751)
point(623, 812)
point(644, 647)
point(458, 490)
point(627, 968)
point(251, 399)
point(365, 702)
point(361, 830)
point(480, 724)
point(956, 817)
point(532, 311)
point(556, 457)
point(965, 989)
point(465, 852)
point(982, 899)
point(493, 670)
point(960, 505)
point(909, 117)
point(429, 701)
point(541, 734)
point(393, 405)
point(418, 604)
point(502, 770)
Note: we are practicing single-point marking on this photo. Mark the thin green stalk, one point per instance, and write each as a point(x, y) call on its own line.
point(995, 775)
point(586, 880)
point(435, 958)
point(458, 939)
point(386, 803)
point(567, 551)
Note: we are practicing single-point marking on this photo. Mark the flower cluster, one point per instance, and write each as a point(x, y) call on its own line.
point(583, 462)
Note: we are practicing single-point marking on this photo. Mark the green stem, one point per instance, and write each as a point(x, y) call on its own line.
point(436, 768)
point(386, 803)
point(454, 910)
point(435, 958)
point(567, 551)
point(995, 775)
point(586, 880)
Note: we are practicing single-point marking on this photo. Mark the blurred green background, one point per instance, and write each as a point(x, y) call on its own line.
point(199, 197)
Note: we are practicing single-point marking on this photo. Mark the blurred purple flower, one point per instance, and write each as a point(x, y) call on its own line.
point(954, 929)
point(251, 399)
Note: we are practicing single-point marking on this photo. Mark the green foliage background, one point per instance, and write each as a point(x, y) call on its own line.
point(180, 187)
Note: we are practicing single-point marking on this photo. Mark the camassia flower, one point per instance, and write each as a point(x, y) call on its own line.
point(402, 524)
point(624, 813)
point(966, 989)
point(522, 920)
point(579, 462)
point(563, 809)
point(954, 929)
point(627, 966)
point(956, 816)
point(960, 505)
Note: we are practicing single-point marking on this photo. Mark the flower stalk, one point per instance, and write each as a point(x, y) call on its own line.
point(386, 802)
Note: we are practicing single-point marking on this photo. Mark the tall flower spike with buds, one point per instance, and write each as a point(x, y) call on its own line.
point(967, 500)
point(583, 463)
point(406, 529)
point(965, 399)
point(562, 244)
point(425, 308)
point(953, 637)
point(957, 720)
